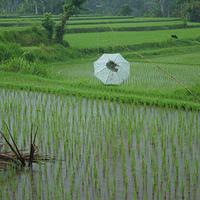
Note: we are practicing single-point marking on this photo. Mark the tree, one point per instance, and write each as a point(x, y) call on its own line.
point(193, 11)
point(165, 7)
point(161, 3)
point(169, 7)
point(48, 24)
point(149, 6)
point(70, 8)
point(12, 6)
point(51, 5)
point(43, 4)
point(125, 10)
point(35, 2)
point(138, 7)
point(181, 3)
point(9, 4)
point(25, 7)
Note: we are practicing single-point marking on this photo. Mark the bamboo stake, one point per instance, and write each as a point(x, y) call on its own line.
point(156, 66)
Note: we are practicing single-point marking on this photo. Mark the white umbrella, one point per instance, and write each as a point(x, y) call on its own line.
point(112, 69)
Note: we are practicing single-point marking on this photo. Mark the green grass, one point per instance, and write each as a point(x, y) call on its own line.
point(185, 59)
point(121, 25)
point(118, 20)
point(22, 20)
point(185, 55)
point(91, 18)
point(84, 20)
point(94, 40)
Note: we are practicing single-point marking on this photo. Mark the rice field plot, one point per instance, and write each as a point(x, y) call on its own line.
point(94, 40)
point(28, 20)
point(146, 83)
point(93, 20)
point(185, 59)
point(143, 76)
point(84, 19)
point(103, 150)
point(119, 25)
point(93, 17)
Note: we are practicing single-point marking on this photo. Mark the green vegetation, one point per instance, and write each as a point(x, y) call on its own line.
point(70, 8)
point(125, 10)
point(138, 38)
point(171, 8)
point(138, 140)
point(98, 145)
point(32, 51)
point(48, 24)
point(21, 64)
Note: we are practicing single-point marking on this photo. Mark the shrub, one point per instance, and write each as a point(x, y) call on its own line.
point(56, 52)
point(9, 50)
point(9, 36)
point(31, 36)
point(29, 56)
point(20, 64)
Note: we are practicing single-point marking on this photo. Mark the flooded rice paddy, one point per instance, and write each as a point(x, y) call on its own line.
point(102, 149)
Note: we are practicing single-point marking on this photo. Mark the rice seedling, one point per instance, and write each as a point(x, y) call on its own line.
point(114, 150)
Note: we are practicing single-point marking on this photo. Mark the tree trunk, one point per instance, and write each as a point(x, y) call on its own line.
point(162, 4)
point(51, 5)
point(181, 8)
point(7, 7)
point(36, 7)
point(12, 6)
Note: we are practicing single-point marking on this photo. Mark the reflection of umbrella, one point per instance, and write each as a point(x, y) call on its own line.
point(112, 69)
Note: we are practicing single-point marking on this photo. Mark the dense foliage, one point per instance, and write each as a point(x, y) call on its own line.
point(48, 24)
point(158, 8)
point(70, 8)
point(125, 10)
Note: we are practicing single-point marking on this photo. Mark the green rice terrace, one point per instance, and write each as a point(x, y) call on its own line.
point(66, 135)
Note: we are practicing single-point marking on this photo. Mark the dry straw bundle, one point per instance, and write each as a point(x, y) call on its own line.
point(18, 157)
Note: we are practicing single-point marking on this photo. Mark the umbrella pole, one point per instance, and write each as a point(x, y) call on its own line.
point(156, 66)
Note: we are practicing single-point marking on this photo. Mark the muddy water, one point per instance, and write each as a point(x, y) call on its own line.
point(103, 150)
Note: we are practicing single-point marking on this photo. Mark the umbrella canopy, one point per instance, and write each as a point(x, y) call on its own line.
point(112, 69)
